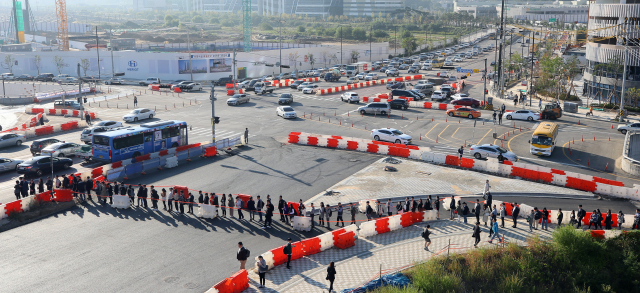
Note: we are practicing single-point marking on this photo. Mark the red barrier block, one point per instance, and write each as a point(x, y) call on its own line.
point(143, 158)
point(406, 219)
point(296, 205)
point(224, 286)
point(177, 90)
point(352, 145)
point(230, 92)
point(457, 106)
point(278, 256)
point(210, 152)
point(96, 172)
point(452, 160)
point(240, 281)
point(14, 206)
point(509, 207)
point(336, 136)
point(229, 85)
point(244, 198)
point(332, 143)
point(402, 152)
point(52, 111)
point(376, 99)
point(413, 147)
point(297, 250)
point(597, 234)
point(467, 163)
point(312, 140)
point(37, 110)
point(392, 151)
point(181, 189)
point(427, 105)
point(63, 112)
point(186, 147)
point(382, 225)
point(383, 96)
point(418, 217)
point(442, 107)
point(311, 246)
point(507, 163)
point(345, 240)
point(163, 153)
point(545, 177)
point(294, 138)
point(76, 113)
point(556, 171)
point(336, 233)
point(63, 195)
point(116, 165)
point(92, 115)
point(44, 197)
point(372, 148)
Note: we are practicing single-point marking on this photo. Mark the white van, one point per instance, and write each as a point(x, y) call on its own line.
point(7, 76)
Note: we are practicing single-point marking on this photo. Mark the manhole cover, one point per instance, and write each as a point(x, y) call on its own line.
point(353, 160)
point(171, 279)
point(190, 285)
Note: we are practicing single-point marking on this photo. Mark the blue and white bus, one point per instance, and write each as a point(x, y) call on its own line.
point(123, 144)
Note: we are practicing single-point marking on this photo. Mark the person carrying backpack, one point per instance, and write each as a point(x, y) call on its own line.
point(425, 235)
point(242, 255)
point(288, 250)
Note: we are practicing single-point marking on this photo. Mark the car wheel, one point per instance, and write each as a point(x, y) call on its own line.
point(66, 166)
point(383, 113)
point(477, 156)
point(19, 142)
point(376, 138)
point(509, 117)
point(135, 119)
point(470, 116)
point(60, 155)
point(362, 112)
point(450, 114)
point(624, 131)
point(150, 116)
point(398, 141)
point(39, 173)
point(530, 118)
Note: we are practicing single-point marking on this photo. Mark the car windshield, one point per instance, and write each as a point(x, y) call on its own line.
point(30, 162)
point(86, 131)
point(236, 96)
point(134, 112)
point(397, 132)
point(285, 96)
point(541, 140)
point(501, 150)
point(287, 109)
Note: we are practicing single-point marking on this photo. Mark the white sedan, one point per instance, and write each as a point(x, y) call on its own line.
point(310, 89)
point(286, 112)
point(361, 75)
point(353, 80)
point(9, 164)
point(391, 135)
point(522, 115)
point(371, 76)
point(457, 59)
point(459, 96)
point(61, 149)
point(139, 114)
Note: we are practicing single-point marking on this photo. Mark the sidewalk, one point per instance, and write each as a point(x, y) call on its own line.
point(359, 264)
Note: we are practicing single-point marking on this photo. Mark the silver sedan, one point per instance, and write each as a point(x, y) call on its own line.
point(9, 164)
point(11, 139)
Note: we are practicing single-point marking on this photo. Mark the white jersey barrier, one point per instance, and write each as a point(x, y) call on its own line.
point(121, 202)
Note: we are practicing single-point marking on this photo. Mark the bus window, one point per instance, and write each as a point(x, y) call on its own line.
point(541, 140)
point(101, 140)
point(148, 137)
point(170, 132)
point(129, 141)
point(183, 136)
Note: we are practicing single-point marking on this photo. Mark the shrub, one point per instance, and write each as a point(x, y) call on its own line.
point(265, 26)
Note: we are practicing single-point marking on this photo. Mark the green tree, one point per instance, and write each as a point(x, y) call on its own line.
point(197, 19)
point(380, 34)
point(85, 64)
point(265, 26)
point(59, 63)
point(8, 63)
point(37, 62)
point(312, 59)
point(214, 20)
point(359, 34)
point(354, 56)
point(301, 29)
point(409, 45)
point(405, 34)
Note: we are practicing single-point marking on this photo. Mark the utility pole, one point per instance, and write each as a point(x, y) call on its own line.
point(212, 97)
point(370, 51)
point(189, 50)
point(484, 92)
point(624, 80)
point(510, 46)
point(530, 93)
point(234, 65)
point(98, 51)
point(113, 71)
point(395, 42)
point(500, 70)
point(81, 102)
point(280, 33)
point(341, 53)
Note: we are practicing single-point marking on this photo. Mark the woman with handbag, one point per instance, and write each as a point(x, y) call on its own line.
point(331, 275)
point(620, 220)
point(608, 220)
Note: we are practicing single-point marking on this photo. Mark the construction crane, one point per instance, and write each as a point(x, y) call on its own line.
point(247, 26)
point(63, 26)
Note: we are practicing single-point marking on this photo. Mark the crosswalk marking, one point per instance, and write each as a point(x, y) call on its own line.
point(206, 132)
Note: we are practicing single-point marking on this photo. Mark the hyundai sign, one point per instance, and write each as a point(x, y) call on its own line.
point(133, 66)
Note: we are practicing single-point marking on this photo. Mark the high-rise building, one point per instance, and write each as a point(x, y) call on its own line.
point(613, 31)
point(371, 7)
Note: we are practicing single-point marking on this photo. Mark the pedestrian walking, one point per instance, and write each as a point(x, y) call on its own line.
point(251, 206)
point(608, 220)
point(331, 275)
point(452, 208)
point(269, 215)
point(425, 235)
point(436, 206)
point(559, 217)
point(239, 206)
point(135, 101)
point(262, 270)
point(460, 152)
point(476, 234)
point(354, 211)
point(500, 118)
point(485, 192)
point(494, 229)
point(288, 250)
point(545, 219)
point(231, 204)
point(531, 220)
point(486, 212)
point(246, 135)
point(494, 117)
point(87, 117)
point(514, 214)
point(476, 210)
point(368, 211)
point(339, 219)
point(620, 220)
point(242, 255)
point(259, 207)
point(503, 213)
point(581, 215)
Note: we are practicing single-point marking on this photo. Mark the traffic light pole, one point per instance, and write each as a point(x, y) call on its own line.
point(484, 92)
point(213, 113)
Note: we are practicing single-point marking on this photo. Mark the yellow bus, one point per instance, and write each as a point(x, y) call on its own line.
point(543, 140)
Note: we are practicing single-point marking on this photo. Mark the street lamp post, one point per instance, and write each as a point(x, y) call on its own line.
point(212, 97)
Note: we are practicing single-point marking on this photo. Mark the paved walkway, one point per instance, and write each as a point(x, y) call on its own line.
point(360, 263)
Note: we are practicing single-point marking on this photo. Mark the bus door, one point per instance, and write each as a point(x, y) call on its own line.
point(148, 143)
point(183, 135)
point(158, 142)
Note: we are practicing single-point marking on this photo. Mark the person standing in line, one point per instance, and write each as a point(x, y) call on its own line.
point(88, 186)
point(312, 214)
point(74, 184)
point(40, 185)
point(436, 206)
point(414, 204)
point(503, 213)
point(323, 210)
point(105, 192)
point(223, 205)
point(331, 275)
point(407, 205)
point(170, 199)
point(285, 211)
point(494, 229)
point(176, 199)
point(49, 184)
point(379, 208)
point(581, 215)
point(116, 188)
point(620, 220)
point(17, 189)
point(301, 209)
point(545, 219)
point(452, 208)
point(181, 199)
point(514, 214)
point(145, 196)
point(200, 197)
point(459, 210)
point(537, 218)
point(163, 198)
point(599, 221)
point(531, 219)
point(110, 193)
point(327, 215)
point(398, 208)
point(428, 204)
point(239, 206)
point(636, 220)
point(465, 212)
point(58, 183)
point(262, 270)
point(476, 234)
point(154, 198)
point(231, 204)
point(242, 255)
point(368, 211)
point(485, 214)
point(593, 220)
point(425, 235)
point(81, 190)
point(281, 205)
point(32, 187)
point(246, 135)
point(389, 208)
point(420, 206)
point(572, 218)
point(251, 206)
point(259, 207)
point(140, 187)
point(489, 199)
point(128, 190)
point(206, 200)
point(292, 213)
point(477, 210)
point(269, 215)
point(559, 217)
point(354, 211)
point(494, 213)
point(608, 220)
point(339, 220)
point(288, 250)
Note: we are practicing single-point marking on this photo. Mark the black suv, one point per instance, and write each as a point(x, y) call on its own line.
point(45, 77)
point(224, 81)
point(39, 144)
point(401, 104)
point(405, 93)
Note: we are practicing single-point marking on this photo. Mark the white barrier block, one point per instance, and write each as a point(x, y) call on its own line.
point(394, 223)
point(342, 144)
point(479, 165)
point(450, 106)
point(26, 202)
point(560, 180)
point(303, 139)
point(435, 106)
point(428, 156)
point(301, 223)
point(628, 221)
point(362, 147)
point(3, 214)
point(367, 229)
point(605, 189)
point(326, 241)
point(430, 215)
point(439, 158)
point(268, 258)
point(57, 127)
point(415, 154)
point(120, 202)
point(352, 228)
point(525, 210)
point(383, 149)
point(207, 211)
point(362, 205)
point(504, 170)
point(585, 177)
point(171, 162)
point(322, 141)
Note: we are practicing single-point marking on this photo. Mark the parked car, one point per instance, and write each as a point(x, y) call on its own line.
point(11, 139)
point(381, 108)
point(224, 81)
point(438, 96)
point(39, 144)
point(361, 76)
point(73, 105)
point(9, 164)
point(45, 77)
point(285, 99)
point(303, 85)
point(68, 80)
point(493, 151)
point(114, 81)
point(414, 69)
point(628, 127)
point(466, 102)
point(7, 76)
point(41, 165)
point(350, 97)
point(25, 77)
point(390, 135)
point(464, 112)
point(310, 89)
point(522, 115)
point(238, 99)
point(459, 96)
point(286, 112)
point(393, 72)
point(401, 104)
point(87, 134)
point(61, 149)
point(426, 88)
point(295, 84)
point(60, 77)
point(139, 114)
